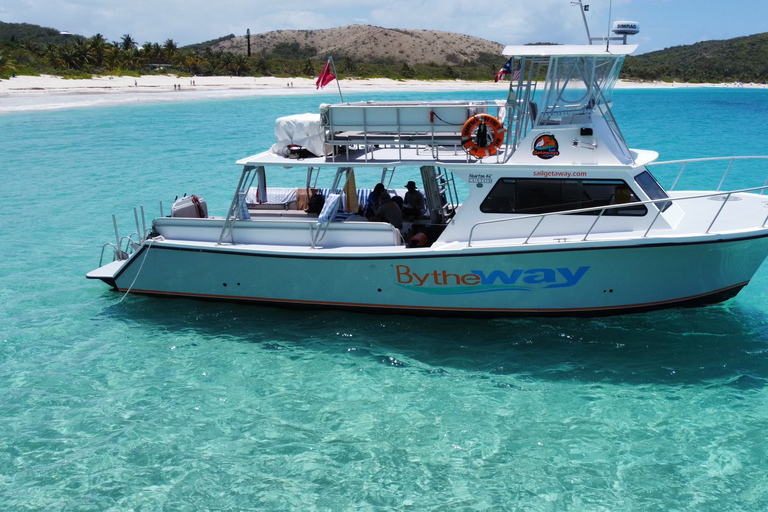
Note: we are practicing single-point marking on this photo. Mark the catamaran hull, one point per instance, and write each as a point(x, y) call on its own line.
point(592, 281)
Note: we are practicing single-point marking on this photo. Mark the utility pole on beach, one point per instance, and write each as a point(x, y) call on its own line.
point(248, 36)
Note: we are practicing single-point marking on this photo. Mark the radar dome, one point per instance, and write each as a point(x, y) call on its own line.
point(626, 28)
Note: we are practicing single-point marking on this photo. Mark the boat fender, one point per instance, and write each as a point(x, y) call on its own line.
point(482, 135)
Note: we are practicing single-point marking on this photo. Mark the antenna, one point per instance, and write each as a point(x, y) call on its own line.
point(608, 37)
point(584, 8)
point(620, 29)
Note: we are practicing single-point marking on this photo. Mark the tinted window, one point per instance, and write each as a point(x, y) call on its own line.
point(533, 196)
point(651, 187)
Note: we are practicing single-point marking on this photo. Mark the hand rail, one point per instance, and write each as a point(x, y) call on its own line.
point(603, 209)
point(685, 163)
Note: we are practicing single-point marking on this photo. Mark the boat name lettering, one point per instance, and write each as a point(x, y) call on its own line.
point(560, 174)
point(481, 178)
point(561, 277)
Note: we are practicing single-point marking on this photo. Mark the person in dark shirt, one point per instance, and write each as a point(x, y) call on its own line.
point(388, 211)
point(373, 200)
point(413, 206)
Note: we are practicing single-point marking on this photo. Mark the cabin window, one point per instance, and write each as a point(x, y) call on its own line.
point(535, 196)
point(651, 187)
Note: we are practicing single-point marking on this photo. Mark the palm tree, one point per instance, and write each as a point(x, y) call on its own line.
point(189, 60)
point(127, 42)
point(70, 57)
point(348, 65)
point(113, 58)
point(262, 66)
point(99, 47)
point(52, 54)
point(84, 53)
point(134, 59)
point(170, 48)
point(240, 64)
point(225, 61)
point(157, 52)
point(309, 68)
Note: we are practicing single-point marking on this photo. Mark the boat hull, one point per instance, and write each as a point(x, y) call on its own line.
point(596, 280)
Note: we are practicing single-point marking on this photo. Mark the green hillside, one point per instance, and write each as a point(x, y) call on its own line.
point(743, 59)
point(31, 49)
point(24, 32)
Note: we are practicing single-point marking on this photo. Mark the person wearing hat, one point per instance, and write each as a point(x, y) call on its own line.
point(413, 204)
point(388, 211)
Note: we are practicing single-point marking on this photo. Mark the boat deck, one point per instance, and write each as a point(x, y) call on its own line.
point(378, 154)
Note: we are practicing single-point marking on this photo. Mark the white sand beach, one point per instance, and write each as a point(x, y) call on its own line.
point(45, 92)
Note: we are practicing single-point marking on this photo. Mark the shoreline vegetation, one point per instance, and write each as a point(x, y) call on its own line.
point(45, 92)
point(42, 68)
point(368, 53)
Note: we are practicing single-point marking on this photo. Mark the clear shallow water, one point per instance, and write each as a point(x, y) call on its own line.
point(151, 404)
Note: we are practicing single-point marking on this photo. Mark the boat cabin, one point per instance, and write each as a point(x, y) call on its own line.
point(491, 172)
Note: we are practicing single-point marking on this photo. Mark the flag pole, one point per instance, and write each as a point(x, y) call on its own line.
point(336, 75)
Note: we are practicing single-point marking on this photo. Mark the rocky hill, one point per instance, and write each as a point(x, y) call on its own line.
point(366, 43)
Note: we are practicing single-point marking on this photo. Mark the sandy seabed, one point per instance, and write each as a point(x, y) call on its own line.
point(48, 92)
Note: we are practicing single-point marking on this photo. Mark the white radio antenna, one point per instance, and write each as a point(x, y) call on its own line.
point(608, 37)
point(584, 8)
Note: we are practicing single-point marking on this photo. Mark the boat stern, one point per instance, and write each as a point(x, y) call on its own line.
point(107, 272)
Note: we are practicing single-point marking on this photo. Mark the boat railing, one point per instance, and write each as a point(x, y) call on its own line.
point(729, 159)
point(601, 210)
point(116, 253)
point(402, 125)
point(126, 246)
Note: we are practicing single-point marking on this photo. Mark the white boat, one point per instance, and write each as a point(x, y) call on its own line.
point(547, 213)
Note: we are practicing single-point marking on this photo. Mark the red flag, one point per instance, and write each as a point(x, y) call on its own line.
point(504, 71)
point(325, 76)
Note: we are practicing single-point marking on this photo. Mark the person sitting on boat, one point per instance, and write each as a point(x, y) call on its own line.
point(388, 211)
point(413, 206)
point(373, 200)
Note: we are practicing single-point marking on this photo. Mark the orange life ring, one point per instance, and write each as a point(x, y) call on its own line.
point(494, 140)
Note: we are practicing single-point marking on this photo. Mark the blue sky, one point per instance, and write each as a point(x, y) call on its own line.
point(663, 23)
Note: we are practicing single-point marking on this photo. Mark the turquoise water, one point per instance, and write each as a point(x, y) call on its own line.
point(150, 404)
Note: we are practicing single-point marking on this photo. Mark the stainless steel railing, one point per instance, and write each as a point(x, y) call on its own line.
point(602, 209)
point(729, 159)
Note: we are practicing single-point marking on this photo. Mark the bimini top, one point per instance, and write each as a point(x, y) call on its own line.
point(568, 50)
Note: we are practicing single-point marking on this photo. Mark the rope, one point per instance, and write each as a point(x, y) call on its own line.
point(446, 122)
point(137, 273)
